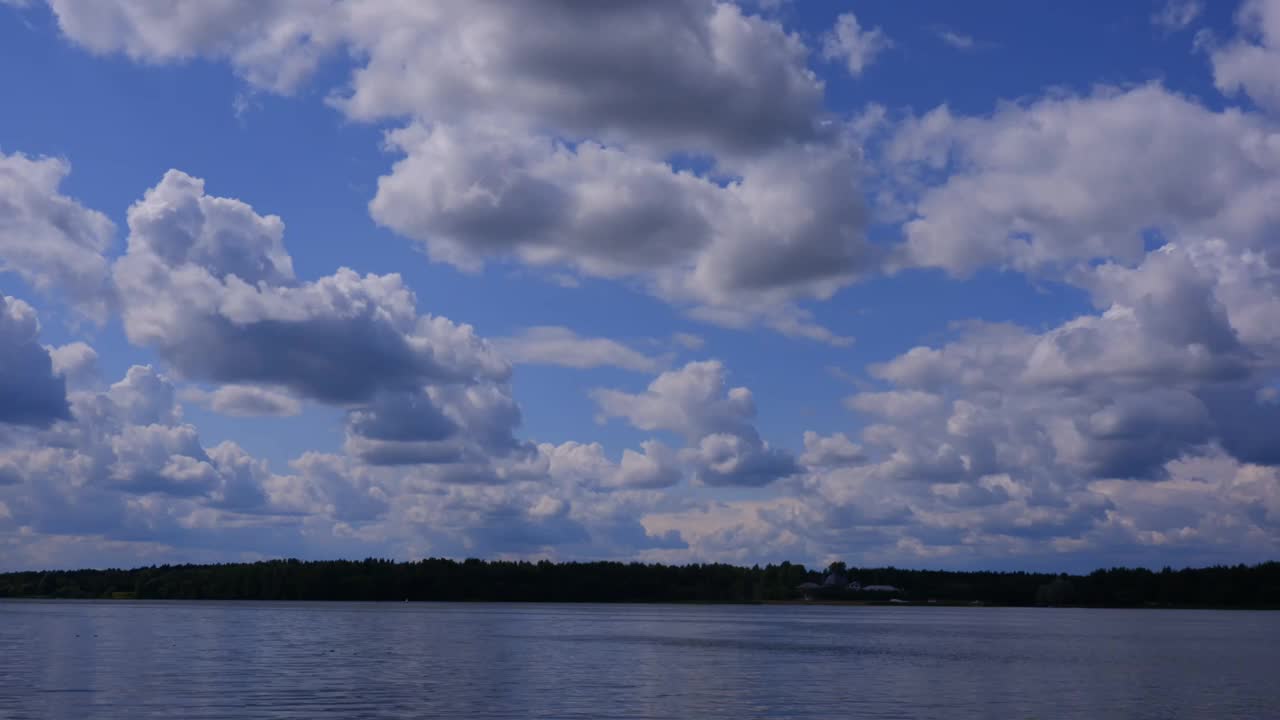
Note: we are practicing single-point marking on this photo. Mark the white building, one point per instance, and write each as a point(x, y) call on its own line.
point(880, 588)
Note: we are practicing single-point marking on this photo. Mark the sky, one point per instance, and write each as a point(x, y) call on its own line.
point(930, 284)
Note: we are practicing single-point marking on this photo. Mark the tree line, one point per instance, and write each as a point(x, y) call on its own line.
point(1237, 586)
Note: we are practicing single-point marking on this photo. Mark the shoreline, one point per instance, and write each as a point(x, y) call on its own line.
point(474, 580)
point(675, 603)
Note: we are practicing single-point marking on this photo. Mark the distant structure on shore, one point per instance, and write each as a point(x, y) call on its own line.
point(879, 588)
point(835, 586)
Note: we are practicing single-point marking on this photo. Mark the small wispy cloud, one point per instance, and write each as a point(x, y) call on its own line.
point(1177, 14)
point(565, 280)
point(245, 401)
point(854, 45)
point(688, 341)
point(555, 345)
point(959, 41)
point(244, 103)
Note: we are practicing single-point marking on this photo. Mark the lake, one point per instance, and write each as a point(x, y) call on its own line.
point(86, 659)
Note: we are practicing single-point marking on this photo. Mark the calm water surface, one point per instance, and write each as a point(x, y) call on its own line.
point(69, 659)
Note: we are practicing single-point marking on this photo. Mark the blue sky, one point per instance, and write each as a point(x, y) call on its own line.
point(999, 280)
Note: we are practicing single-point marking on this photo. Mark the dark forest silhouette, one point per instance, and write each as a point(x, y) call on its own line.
point(478, 580)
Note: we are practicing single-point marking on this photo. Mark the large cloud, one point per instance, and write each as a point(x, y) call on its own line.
point(1251, 62)
point(273, 43)
point(722, 444)
point(206, 281)
point(30, 391)
point(1085, 437)
point(682, 74)
point(122, 466)
point(126, 475)
point(470, 427)
point(116, 448)
point(550, 134)
point(1207, 509)
point(790, 225)
point(1065, 178)
point(1122, 392)
point(49, 239)
point(657, 466)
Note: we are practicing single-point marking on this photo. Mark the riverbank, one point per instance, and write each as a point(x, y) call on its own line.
point(1238, 586)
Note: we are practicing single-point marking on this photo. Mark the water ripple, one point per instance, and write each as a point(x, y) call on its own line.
point(69, 659)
